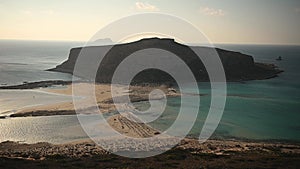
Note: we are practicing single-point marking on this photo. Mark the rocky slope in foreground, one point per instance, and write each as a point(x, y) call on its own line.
point(188, 154)
point(237, 66)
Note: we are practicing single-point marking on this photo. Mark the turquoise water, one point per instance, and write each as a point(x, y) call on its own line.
point(260, 110)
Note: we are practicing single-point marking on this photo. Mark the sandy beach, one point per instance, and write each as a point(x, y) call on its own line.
point(102, 94)
point(188, 153)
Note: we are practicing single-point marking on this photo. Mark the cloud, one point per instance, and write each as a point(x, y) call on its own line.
point(145, 7)
point(297, 10)
point(211, 11)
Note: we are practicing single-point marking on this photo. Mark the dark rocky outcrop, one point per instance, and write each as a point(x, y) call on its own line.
point(237, 66)
point(40, 84)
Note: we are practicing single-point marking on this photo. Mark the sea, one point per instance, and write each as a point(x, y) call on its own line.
point(261, 110)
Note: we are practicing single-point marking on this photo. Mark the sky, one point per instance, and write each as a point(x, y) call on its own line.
point(222, 21)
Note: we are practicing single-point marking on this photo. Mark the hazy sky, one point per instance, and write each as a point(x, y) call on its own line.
point(222, 21)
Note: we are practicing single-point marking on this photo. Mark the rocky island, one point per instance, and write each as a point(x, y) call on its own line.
point(237, 66)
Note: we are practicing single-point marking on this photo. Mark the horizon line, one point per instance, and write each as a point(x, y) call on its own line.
point(213, 43)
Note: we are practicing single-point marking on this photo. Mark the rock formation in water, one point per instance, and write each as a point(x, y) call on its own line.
point(237, 66)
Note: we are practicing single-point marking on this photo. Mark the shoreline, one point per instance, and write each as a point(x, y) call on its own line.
point(103, 96)
point(86, 148)
point(38, 84)
point(137, 93)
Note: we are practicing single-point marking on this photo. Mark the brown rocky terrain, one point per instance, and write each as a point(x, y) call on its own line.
point(188, 154)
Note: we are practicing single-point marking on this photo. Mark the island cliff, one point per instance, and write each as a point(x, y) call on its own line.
point(237, 66)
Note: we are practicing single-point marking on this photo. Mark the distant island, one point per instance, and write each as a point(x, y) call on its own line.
point(238, 67)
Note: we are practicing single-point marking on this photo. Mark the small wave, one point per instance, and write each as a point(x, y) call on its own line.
point(244, 96)
point(12, 63)
point(7, 113)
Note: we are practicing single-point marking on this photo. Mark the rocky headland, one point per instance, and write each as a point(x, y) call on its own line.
point(237, 66)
